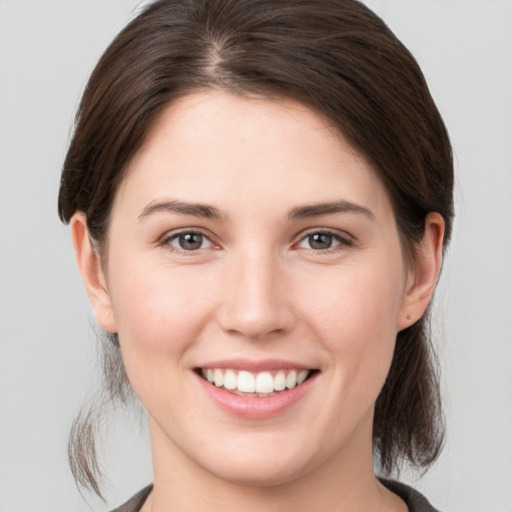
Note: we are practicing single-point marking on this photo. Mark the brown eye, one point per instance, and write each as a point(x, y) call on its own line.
point(320, 241)
point(189, 241)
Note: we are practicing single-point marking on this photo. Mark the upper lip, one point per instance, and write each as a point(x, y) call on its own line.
point(255, 365)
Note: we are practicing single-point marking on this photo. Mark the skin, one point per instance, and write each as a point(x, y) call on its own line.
point(257, 289)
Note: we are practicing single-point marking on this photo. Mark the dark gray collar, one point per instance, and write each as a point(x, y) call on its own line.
point(415, 501)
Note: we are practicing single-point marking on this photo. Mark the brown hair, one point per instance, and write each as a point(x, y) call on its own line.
point(335, 56)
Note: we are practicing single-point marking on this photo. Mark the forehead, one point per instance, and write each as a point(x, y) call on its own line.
point(210, 145)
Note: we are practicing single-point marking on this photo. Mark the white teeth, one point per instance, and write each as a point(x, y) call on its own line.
point(263, 383)
point(280, 381)
point(291, 379)
point(246, 382)
point(218, 377)
point(301, 377)
point(230, 380)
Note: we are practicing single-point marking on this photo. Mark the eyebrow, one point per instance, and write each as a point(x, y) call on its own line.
point(210, 212)
point(318, 209)
point(195, 209)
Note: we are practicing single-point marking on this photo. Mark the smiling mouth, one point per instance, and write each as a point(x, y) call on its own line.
point(249, 384)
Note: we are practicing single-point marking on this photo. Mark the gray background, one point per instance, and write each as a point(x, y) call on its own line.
point(47, 354)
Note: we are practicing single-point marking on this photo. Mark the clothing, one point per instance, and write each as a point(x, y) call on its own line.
point(415, 501)
point(135, 503)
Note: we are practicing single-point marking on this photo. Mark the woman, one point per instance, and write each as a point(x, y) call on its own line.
point(259, 194)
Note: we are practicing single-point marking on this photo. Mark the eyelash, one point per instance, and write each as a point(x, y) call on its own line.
point(342, 241)
point(167, 241)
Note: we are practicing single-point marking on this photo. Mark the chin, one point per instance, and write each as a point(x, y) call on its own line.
point(260, 474)
point(258, 464)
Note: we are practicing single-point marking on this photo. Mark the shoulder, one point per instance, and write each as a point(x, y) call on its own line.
point(414, 500)
point(136, 502)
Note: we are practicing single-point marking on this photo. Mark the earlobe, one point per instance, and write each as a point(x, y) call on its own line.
point(422, 277)
point(89, 265)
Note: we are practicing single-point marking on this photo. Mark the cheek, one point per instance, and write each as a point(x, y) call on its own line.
point(355, 301)
point(153, 298)
point(159, 312)
point(355, 315)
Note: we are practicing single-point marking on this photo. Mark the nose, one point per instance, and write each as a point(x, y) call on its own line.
point(255, 303)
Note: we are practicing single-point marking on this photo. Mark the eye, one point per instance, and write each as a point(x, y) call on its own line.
point(188, 241)
point(322, 241)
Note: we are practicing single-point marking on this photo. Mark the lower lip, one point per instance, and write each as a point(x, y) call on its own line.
point(255, 407)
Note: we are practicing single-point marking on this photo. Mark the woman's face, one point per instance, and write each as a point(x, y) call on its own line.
point(251, 245)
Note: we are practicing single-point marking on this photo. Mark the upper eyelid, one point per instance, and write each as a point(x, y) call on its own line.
point(176, 232)
point(342, 235)
point(173, 234)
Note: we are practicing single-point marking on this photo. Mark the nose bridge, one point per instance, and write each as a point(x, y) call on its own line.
point(254, 304)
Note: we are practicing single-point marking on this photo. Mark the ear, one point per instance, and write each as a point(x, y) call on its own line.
point(422, 277)
point(89, 265)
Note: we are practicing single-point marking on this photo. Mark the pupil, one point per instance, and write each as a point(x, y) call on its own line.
point(320, 241)
point(191, 241)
